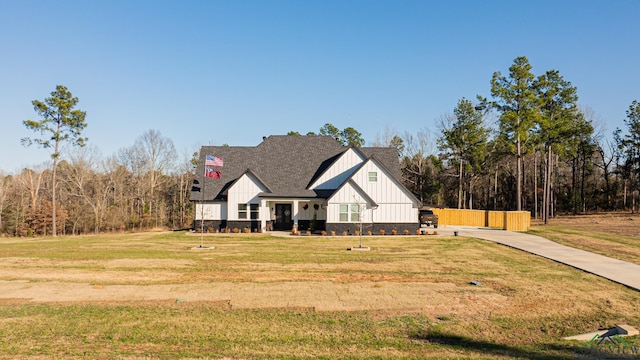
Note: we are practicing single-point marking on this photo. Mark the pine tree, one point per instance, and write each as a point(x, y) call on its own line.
point(59, 123)
point(518, 105)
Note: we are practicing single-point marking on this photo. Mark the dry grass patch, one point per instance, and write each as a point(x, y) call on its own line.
point(614, 235)
point(624, 224)
point(254, 297)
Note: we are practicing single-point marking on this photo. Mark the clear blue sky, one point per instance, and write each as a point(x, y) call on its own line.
point(215, 72)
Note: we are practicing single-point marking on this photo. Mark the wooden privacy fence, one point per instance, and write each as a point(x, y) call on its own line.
point(506, 220)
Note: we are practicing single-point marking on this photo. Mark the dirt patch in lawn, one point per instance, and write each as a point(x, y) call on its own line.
point(318, 295)
point(322, 287)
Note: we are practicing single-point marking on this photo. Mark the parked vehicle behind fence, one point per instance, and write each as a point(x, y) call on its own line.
point(428, 218)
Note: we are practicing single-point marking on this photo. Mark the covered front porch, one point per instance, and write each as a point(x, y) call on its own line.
point(282, 214)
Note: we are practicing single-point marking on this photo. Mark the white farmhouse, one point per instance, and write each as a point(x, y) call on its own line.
point(304, 183)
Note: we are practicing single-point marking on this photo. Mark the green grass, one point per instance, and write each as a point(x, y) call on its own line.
point(538, 301)
point(201, 331)
point(173, 331)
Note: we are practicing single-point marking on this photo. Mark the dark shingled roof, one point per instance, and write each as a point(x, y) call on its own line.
point(285, 164)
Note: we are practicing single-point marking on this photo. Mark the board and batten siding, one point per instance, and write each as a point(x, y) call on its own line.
point(339, 171)
point(394, 204)
point(396, 213)
point(385, 213)
point(321, 214)
point(215, 211)
point(383, 191)
point(244, 191)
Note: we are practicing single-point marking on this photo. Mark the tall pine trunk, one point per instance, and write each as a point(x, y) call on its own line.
point(547, 184)
point(518, 174)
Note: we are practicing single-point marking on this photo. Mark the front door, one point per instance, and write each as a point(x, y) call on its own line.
point(283, 217)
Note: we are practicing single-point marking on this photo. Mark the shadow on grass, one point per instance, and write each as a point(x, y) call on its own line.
point(544, 351)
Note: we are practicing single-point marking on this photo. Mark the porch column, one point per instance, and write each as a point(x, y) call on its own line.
point(264, 215)
point(295, 213)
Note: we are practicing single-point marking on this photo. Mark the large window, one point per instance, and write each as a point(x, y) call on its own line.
point(242, 211)
point(349, 213)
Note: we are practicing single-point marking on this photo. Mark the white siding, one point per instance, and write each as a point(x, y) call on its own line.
point(394, 204)
point(333, 214)
point(265, 212)
point(339, 171)
point(395, 213)
point(216, 211)
point(346, 195)
point(383, 191)
point(244, 191)
point(385, 213)
point(321, 214)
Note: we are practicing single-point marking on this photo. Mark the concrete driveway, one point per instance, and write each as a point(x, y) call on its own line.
point(619, 271)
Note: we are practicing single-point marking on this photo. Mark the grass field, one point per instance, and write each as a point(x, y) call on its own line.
point(150, 295)
point(614, 235)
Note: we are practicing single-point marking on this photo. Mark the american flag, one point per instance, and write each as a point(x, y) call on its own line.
point(213, 161)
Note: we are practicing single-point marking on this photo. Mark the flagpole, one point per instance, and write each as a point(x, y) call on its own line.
point(209, 171)
point(204, 180)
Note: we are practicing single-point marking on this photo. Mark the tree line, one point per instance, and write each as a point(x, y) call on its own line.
point(140, 187)
point(527, 146)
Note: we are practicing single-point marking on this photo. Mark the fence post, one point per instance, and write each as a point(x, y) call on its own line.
point(506, 217)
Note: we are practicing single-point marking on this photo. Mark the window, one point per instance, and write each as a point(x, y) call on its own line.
point(344, 212)
point(355, 212)
point(373, 176)
point(254, 211)
point(349, 213)
point(242, 211)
